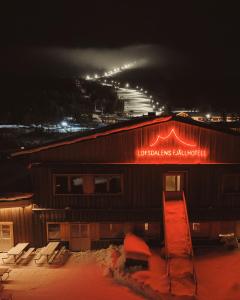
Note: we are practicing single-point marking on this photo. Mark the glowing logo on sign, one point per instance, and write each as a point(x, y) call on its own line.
point(171, 133)
point(176, 149)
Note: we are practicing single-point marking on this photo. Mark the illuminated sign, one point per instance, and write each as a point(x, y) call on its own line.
point(171, 147)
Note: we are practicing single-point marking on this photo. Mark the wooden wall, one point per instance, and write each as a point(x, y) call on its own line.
point(121, 147)
point(142, 192)
point(22, 222)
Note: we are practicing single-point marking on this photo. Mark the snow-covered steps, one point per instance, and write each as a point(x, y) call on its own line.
point(178, 247)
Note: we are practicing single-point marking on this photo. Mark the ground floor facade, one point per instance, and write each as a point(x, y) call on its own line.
point(79, 235)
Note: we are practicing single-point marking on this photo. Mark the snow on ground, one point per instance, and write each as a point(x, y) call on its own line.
point(81, 277)
point(218, 274)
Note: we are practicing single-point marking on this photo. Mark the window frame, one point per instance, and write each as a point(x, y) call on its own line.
point(108, 176)
point(92, 176)
point(54, 223)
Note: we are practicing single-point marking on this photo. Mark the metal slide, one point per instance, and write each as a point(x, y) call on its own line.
point(178, 247)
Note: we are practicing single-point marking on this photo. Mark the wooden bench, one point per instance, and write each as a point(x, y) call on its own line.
point(16, 252)
point(58, 256)
point(54, 255)
point(38, 254)
point(26, 254)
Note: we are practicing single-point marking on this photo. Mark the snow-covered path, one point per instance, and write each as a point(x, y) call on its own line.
point(178, 247)
point(135, 102)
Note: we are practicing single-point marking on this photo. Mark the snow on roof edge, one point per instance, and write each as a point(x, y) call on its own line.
point(91, 135)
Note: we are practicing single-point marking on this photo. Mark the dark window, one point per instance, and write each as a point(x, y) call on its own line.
point(101, 184)
point(76, 185)
point(115, 184)
point(87, 184)
point(61, 186)
point(54, 232)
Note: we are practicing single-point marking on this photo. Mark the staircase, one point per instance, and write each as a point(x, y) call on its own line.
point(178, 248)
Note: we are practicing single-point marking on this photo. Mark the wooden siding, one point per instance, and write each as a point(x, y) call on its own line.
point(22, 222)
point(143, 185)
point(121, 147)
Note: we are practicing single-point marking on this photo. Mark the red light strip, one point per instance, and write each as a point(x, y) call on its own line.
point(172, 132)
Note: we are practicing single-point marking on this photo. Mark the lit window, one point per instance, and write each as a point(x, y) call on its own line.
point(6, 232)
point(146, 226)
point(54, 232)
point(173, 183)
point(196, 226)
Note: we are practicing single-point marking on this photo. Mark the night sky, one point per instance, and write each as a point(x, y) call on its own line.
point(191, 48)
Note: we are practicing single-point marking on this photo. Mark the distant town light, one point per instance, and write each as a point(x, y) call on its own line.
point(150, 96)
point(64, 124)
point(127, 85)
point(141, 89)
point(96, 76)
point(88, 77)
point(208, 116)
point(137, 87)
point(146, 92)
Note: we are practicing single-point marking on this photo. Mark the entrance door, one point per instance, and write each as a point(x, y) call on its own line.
point(173, 185)
point(6, 236)
point(80, 236)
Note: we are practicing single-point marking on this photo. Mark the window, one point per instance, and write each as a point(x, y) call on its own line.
point(5, 232)
point(54, 232)
point(231, 183)
point(79, 230)
point(68, 184)
point(107, 184)
point(61, 185)
point(77, 184)
point(146, 226)
point(173, 183)
point(101, 184)
point(196, 226)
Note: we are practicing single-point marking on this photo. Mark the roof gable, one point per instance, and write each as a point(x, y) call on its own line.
point(156, 140)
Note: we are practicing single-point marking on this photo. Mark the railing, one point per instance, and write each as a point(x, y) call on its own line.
point(166, 245)
point(190, 240)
